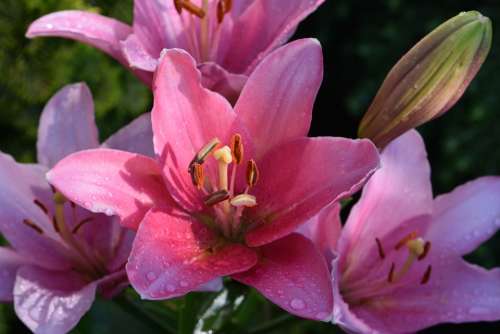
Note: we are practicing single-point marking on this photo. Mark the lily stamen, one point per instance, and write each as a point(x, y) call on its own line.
point(32, 225)
point(405, 239)
point(190, 7)
point(417, 249)
point(216, 197)
point(223, 7)
point(252, 174)
point(80, 224)
point(41, 206)
point(244, 200)
point(198, 175)
point(381, 252)
point(427, 275)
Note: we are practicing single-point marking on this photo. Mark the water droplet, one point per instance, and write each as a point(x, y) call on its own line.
point(49, 26)
point(297, 304)
point(151, 276)
point(170, 288)
point(184, 284)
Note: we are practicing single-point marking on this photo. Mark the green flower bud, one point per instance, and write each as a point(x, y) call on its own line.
point(429, 79)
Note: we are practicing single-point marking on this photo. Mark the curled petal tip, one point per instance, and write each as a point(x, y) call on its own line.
point(429, 79)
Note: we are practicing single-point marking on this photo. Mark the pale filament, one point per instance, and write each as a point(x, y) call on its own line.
point(228, 205)
point(362, 291)
point(93, 265)
point(205, 40)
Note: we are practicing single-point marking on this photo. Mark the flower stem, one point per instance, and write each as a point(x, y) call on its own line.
point(144, 316)
point(272, 324)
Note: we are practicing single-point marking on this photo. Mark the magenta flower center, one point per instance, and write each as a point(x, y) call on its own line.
point(390, 268)
point(219, 194)
point(67, 224)
point(203, 36)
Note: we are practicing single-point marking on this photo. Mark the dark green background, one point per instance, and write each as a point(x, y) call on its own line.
point(361, 41)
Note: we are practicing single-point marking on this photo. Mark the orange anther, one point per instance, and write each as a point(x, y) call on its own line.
point(237, 148)
point(252, 173)
point(407, 238)
point(197, 175)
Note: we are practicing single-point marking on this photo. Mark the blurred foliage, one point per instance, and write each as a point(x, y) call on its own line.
point(361, 41)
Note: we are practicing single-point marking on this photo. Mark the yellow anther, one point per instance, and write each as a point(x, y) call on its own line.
point(224, 155)
point(244, 200)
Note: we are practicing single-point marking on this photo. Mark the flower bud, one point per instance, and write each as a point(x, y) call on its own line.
point(429, 79)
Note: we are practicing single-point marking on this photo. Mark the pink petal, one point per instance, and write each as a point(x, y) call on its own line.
point(264, 26)
point(277, 101)
point(111, 182)
point(136, 56)
point(172, 255)
point(96, 30)
point(10, 261)
point(111, 285)
point(301, 177)
point(67, 124)
point(294, 275)
point(221, 81)
point(466, 217)
point(324, 229)
point(21, 185)
point(457, 292)
point(136, 137)
point(342, 312)
point(158, 25)
point(51, 302)
point(185, 118)
point(398, 191)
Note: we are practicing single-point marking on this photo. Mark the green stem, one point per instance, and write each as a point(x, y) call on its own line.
point(272, 324)
point(144, 316)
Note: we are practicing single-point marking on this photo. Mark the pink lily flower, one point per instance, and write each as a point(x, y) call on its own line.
point(59, 253)
point(399, 265)
point(228, 38)
point(240, 181)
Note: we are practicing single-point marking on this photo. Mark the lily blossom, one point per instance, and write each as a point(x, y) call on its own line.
point(228, 38)
point(59, 254)
point(399, 265)
point(240, 181)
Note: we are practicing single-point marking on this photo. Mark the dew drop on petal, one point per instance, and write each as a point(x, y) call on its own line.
point(184, 284)
point(170, 288)
point(297, 304)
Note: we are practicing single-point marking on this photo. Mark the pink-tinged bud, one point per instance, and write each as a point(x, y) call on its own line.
point(429, 79)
